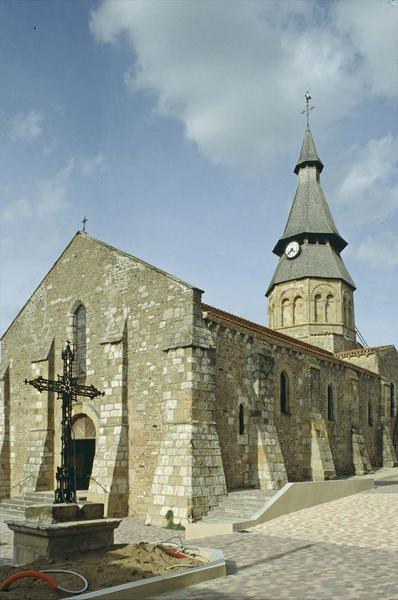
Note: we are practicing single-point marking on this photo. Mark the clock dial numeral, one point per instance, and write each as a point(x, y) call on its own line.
point(292, 249)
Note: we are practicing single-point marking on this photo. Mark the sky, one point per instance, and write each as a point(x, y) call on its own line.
point(175, 128)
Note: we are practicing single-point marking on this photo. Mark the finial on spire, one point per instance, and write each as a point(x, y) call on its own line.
point(84, 221)
point(308, 107)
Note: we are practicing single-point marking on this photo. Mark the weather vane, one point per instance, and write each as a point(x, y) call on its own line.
point(308, 107)
point(84, 221)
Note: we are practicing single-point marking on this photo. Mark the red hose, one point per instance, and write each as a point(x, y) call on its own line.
point(47, 578)
point(173, 553)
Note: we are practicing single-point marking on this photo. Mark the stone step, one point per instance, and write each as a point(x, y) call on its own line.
point(20, 501)
point(38, 499)
point(13, 506)
point(11, 514)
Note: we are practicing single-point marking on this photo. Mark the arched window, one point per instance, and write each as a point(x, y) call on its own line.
point(285, 312)
point(241, 419)
point(79, 342)
point(350, 320)
point(318, 308)
point(330, 403)
point(83, 428)
point(298, 310)
point(284, 393)
point(329, 309)
point(393, 412)
point(271, 316)
point(370, 414)
point(345, 310)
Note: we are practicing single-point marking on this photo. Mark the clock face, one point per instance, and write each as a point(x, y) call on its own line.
point(292, 249)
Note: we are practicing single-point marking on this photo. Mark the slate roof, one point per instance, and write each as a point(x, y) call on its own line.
point(310, 213)
point(314, 260)
point(308, 154)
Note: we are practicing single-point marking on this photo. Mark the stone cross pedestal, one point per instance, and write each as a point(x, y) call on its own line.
point(55, 531)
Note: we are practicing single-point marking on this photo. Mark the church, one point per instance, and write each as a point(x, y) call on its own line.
point(198, 402)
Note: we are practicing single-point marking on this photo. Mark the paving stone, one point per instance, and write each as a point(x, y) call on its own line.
point(342, 549)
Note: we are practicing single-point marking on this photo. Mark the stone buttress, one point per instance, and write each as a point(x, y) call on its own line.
point(109, 478)
point(360, 455)
point(38, 470)
point(267, 466)
point(189, 477)
point(4, 433)
point(388, 450)
point(321, 459)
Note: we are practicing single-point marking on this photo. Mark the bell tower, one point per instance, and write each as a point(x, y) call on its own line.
point(310, 296)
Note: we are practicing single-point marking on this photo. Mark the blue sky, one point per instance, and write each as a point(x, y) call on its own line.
point(175, 127)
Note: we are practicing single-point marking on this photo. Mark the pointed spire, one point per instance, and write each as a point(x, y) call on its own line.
point(310, 216)
point(308, 154)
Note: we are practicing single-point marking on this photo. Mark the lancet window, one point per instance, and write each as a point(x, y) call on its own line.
point(285, 312)
point(297, 310)
point(329, 309)
point(318, 308)
point(241, 419)
point(79, 334)
point(370, 414)
point(284, 393)
point(330, 403)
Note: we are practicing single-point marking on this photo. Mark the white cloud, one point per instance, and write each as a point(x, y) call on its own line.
point(372, 29)
point(368, 188)
point(27, 126)
point(51, 194)
point(234, 73)
point(48, 199)
point(90, 166)
point(16, 210)
point(380, 251)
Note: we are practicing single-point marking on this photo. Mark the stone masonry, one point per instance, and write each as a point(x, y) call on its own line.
point(198, 401)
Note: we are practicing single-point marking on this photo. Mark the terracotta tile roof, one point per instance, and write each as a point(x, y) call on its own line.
point(279, 337)
point(362, 351)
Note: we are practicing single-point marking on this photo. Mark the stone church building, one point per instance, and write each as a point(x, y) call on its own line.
point(198, 401)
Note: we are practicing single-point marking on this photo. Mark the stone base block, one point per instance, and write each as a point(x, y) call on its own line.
point(59, 513)
point(35, 539)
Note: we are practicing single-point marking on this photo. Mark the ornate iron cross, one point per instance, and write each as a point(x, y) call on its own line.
point(68, 390)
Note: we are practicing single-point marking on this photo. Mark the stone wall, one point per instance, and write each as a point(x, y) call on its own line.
point(192, 403)
point(4, 433)
point(382, 360)
point(133, 311)
point(249, 442)
point(318, 311)
point(308, 443)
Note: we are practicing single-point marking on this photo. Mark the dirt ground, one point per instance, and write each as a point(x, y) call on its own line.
point(102, 568)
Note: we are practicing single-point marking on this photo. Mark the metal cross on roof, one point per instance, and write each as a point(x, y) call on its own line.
point(84, 221)
point(68, 390)
point(308, 107)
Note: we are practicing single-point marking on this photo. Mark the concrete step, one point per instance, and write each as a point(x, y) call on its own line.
point(239, 505)
point(242, 505)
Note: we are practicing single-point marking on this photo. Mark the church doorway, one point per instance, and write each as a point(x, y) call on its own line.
point(83, 440)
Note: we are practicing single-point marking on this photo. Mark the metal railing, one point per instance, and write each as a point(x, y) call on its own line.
point(100, 484)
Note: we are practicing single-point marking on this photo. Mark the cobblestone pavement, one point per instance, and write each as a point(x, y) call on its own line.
point(343, 549)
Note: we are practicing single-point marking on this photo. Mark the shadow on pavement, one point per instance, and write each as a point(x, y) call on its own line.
point(384, 482)
point(275, 557)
